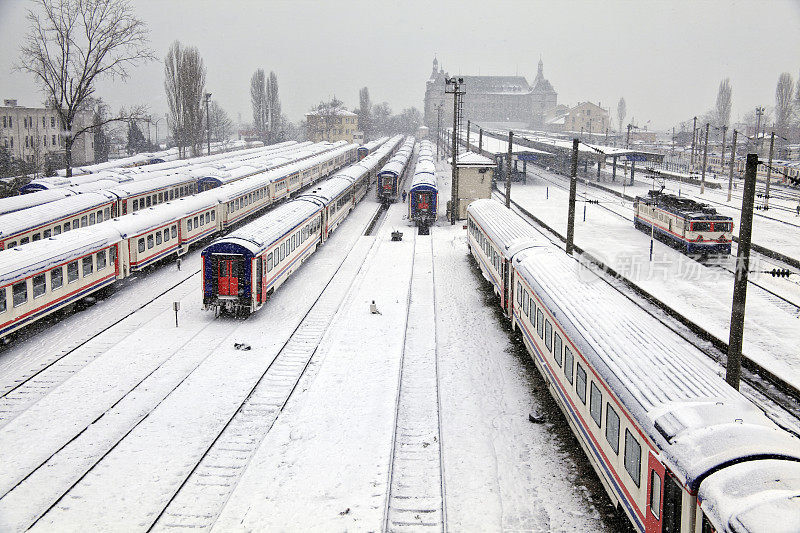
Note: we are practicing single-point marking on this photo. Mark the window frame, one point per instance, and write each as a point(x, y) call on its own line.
point(595, 399)
point(630, 439)
point(610, 427)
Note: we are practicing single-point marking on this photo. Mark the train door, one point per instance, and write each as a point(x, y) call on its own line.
point(673, 504)
point(653, 510)
point(226, 272)
point(259, 278)
point(424, 203)
point(506, 274)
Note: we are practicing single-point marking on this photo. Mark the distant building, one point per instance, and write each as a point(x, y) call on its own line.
point(586, 117)
point(34, 134)
point(474, 180)
point(338, 125)
point(508, 99)
point(358, 137)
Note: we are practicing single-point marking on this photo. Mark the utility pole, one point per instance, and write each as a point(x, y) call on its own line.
point(573, 184)
point(734, 370)
point(508, 169)
point(759, 114)
point(438, 128)
point(454, 86)
point(705, 161)
point(733, 160)
point(469, 127)
point(208, 124)
point(769, 169)
point(722, 159)
point(694, 136)
point(480, 140)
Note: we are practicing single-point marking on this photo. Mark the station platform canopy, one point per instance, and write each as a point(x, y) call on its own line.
point(546, 142)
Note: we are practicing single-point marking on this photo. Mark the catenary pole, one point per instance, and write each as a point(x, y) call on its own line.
point(573, 183)
point(508, 169)
point(694, 137)
point(705, 161)
point(769, 170)
point(733, 160)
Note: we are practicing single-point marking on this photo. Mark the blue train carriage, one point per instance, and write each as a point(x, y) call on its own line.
point(675, 447)
point(368, 148)
point(694, 227)
point(241, 270)
point(423, 195)
point(391, 175)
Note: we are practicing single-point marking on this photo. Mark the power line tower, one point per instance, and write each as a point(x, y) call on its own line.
point(455, 86)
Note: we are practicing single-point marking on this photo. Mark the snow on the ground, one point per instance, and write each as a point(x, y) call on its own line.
point(698, 292)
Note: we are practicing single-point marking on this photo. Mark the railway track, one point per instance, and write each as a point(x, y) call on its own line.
point(764, 383)
point(416, 496)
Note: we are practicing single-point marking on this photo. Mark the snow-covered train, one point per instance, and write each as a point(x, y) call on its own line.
point(423, 195)
point(47, 275)
point(80, 210)
point(694, 227)
point(392, 174)
point(676, 448)
point(243, 269)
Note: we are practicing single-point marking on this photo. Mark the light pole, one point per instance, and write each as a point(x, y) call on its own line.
point(438, 128)
point(150, 121)
point(208, 123)
point(455, 87)
point(759, 114)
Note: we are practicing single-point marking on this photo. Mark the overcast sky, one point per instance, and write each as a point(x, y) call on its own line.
point(665, 58)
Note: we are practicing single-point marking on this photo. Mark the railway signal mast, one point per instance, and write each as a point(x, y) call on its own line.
point(455, 86)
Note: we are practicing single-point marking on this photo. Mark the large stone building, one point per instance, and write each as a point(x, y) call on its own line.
point(491, 99)
point(335, 125)
point(586, 117)
point(33, 134)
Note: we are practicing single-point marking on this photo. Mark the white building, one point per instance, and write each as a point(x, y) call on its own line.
point(34, 133)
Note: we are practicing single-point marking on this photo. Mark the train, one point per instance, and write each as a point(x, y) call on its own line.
point(693, 227)
point(50, 274)
point(243, 269)
point(391, 176)
point(94, 206)
point(675, 447)
point(423, 194)
point(783, 172)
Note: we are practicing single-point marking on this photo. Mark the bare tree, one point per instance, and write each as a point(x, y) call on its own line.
point(221, 123)
point(783, 103)
point(184, 82)
point(72, 43)
point(723, 107)
point(365, 112)
point(622, 111)
point(258, 99)
point(274, 108)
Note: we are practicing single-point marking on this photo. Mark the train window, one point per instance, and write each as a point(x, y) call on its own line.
point(548, 335)
point(213, 216)
point(269, 262)
point(39, 285)
point(202, 220)
point(166, 234)
point(67, 226)
point(91, 218)
point(101, 260)
point(171, 194)
point(47, 233)
point(158, 238)
point(150, 241)
point(174, 231)
point(189, 224)
point(557, 348)
point(112, 255)
point(160, 197)
point(56, 278)
point(655, 493)
point(701, 226)
point(141, 245)
point(100, 216)
point(148, 201)
point(136, 205)
point(36, 237)
point(3, 300)
point(84, 221)
point(540, 323)
point(519, 292)
point(633, 456)
point(76, 223)
point(525, 302)
point(612, 428)
point(87, 265)
point(72, 272)
point(580, 383)
point(57, 230)
point(208, 218)
point(195, 222)
point(20, 293)
point(596, 404)
point(107, 213)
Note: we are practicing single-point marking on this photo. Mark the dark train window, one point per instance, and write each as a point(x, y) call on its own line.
point(136, 205)
point(56, 278)
point(46, 234)
point(525, 302)
point(596, 404)
point(160, 197)
point(283, 251)
point(655, 493)
point(91, 218)
point(87, 265)
point(141, 245)
point(195, 223)
point(101, 260)
point(57, 230)
point(72, 272)
point(84, 221)
point(213, 215)
point(39, 285)
point(548, 335)
point(633, 457)
point(112, 255)
point(174, 231)
point(580, 383)
point(20, 292)
point(37, 237)
point(701, 226)
point(540, 323)
point(149, 201)
point(100, 216)
point(166, 234)
point(171, 194)
point(158, 238)
point(189, 224)
point(3, 300)
point(149, 241)
point(557, 348)
point(202, 220)
point(269, 262)
point(612, 428)
point(76, 224)
point(532, 312)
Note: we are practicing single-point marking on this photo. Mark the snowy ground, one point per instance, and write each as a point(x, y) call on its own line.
point(138, 406)
point(700, 292)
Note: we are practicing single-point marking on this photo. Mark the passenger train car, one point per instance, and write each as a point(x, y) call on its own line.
point(391, 176)
point(242, 270)
point(676, 448)
point(694, 227)
point(368, 148)
point(44, 276)
point(783, 172)
point(423, 194)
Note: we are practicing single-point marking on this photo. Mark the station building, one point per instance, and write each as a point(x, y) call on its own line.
point(337, 125)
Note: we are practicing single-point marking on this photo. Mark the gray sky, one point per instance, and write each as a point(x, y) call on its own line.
point(665, 58)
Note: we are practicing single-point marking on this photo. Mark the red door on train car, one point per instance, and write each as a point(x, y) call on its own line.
point(654, 510)
point(228, 278)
